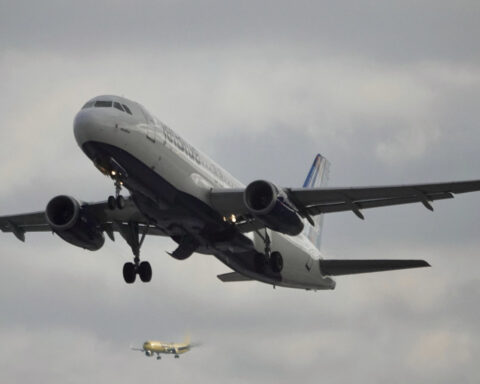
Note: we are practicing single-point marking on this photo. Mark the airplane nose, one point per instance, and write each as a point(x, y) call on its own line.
point(87, 125)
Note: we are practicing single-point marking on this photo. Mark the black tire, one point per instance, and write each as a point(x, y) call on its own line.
point(129, 273)
point(276, 262)
point(145, 271)
point(112, 203)
point(120, 202)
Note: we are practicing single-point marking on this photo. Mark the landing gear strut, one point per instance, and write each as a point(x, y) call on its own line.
point(143, 269)
point(273, 259)
point(117, 201)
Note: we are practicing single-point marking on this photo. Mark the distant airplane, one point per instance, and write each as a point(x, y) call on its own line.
point(262, 231)
point(157, 347)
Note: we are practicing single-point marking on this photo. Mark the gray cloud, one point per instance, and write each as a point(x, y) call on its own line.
point(400, 31)
point(388, 92)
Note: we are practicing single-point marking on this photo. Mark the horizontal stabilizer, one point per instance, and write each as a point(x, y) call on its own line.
point(233, 276)
point(351, 267)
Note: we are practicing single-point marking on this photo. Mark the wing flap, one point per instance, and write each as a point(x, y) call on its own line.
point(351, 267)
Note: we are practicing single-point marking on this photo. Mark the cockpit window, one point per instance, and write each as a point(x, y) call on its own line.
point(103, 104)
point(127, 109)
point(118, 106)
point(88, 105)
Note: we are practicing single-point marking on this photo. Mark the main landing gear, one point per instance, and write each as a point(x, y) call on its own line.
point(272, 259)
point(131, 270)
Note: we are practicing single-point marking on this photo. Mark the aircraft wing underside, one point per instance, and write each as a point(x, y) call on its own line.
point(315, 201)
point(108, 220)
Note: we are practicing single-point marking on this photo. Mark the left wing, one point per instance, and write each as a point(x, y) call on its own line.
point(314, 201)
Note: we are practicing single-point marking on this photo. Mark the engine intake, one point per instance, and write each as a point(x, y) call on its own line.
point(271, 206)
point(69, 221)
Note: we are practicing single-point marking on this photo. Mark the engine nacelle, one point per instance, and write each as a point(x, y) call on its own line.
point(148, 353)
point(69, 221)
point(270, 205)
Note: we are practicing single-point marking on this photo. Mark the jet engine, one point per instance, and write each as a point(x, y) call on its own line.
point(148, 353)
point(69, 221)
point(271, 206)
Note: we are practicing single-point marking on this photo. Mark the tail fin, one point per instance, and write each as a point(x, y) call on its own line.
point(186, 340)
point(317, 177)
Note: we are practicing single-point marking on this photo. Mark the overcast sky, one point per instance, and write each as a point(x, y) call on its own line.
point(388, 91)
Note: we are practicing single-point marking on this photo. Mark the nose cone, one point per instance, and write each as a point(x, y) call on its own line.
point(88, 125)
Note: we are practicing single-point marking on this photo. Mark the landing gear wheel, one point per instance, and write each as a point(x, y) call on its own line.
point(112, 202)
point(120, 202)
point(276, 262)
point(145, 271)
point(159, 357)
point(131, 234)
point(176, 356)
point(129, 272)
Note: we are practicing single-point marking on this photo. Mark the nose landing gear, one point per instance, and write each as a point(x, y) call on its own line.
point(143, 269)
point(117, 201)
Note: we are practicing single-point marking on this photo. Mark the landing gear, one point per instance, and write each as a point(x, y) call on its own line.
point(269, 258)
point(176, 356)
point(143, 269)
point(117, 201)
point(129, 273)
point(276, 262)
point(159, 357)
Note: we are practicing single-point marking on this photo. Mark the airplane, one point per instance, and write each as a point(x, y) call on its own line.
point(157, 347)
point(261, 231)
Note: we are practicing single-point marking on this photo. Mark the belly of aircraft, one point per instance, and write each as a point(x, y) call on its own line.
point(182, 215)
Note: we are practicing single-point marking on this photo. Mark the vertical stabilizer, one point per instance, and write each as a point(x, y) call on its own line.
point(316, 177)
point(186, 340)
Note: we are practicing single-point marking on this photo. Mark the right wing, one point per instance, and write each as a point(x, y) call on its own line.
point(108, 220)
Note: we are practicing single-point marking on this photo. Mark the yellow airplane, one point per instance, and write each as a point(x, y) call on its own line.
point(157, 347)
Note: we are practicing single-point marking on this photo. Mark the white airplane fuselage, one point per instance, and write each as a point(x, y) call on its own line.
point(170, 180)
